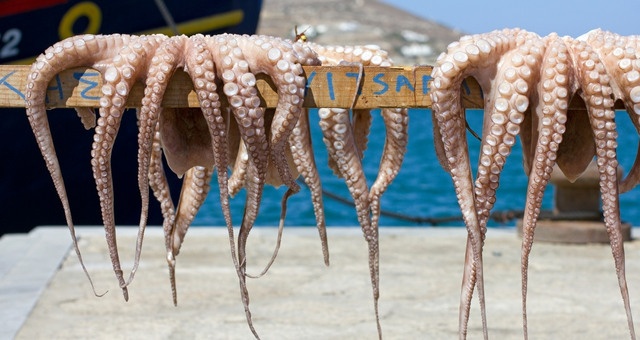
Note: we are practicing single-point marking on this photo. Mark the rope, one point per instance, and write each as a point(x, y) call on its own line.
point(387, 213)
point(168, 18)
point(500, 216)
point(473, 133)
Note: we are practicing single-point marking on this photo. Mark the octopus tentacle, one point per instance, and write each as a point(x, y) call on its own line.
point(253, 180)
point(300, 145)
point(254, 186)
point(241, 57)
point(338, 137)
point(176, 223)
point(239, 172)
point(285, 68)
point(475, 56)
point(554, 90)
point(83, 50)
point(361, 123)
point(164, 62)
point(239, 87)
point(505, 107)
point(286, 74)
point(201, 149)
point(125, 69)
point(238, 156)
point(286, 164)
point(449, 128)
point(283, 64)
point(369, 55)
point(283, 214)
point(199, 65)
point(272, 175)
point(87, 116)
point(395, 147)
point(622, 62)
point(194, 192)
point(298, 158)
point(202, 70)
point(167, 58)
point(345, 145)
point(597, 94)
point(502, 119)
point(160, 188)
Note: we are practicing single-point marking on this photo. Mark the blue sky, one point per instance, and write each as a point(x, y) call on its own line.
point(468, 16)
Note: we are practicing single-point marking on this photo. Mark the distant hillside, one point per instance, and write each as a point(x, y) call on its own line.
point(409, 39)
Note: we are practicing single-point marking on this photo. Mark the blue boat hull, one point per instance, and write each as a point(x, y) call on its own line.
point(27, 195)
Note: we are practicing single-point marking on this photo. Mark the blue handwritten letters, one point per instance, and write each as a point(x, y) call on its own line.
point(6, 82)
point(341, 86)
point(86, 86)
point(377, 88)
point(90, 79)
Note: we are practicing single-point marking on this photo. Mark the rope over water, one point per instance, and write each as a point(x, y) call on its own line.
point(500, 216)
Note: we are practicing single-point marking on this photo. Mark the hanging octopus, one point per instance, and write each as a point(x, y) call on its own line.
point(586, 73)
point(239, 81)
point(236, 73)
point(346, 140)
point(123, 60)
point(521, 73)
point(477, 56)
point(346, 143)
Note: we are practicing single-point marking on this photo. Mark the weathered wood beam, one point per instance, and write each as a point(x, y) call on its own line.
point(327, 86)
point(334, 86)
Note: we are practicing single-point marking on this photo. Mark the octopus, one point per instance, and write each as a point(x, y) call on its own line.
point(194, 141)
point(102, 53)
point(262, 146)
point(346, 140)
point(528, 82)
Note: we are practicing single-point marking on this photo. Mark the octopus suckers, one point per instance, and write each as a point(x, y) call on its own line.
point(248, 79)
point(460, 57)
point(633, 76)
point(282, 65)
point(111, 75)
point(501, 104)
point(274, 54)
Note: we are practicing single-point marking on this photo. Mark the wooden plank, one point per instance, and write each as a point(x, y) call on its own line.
point(334, 86)
point(327, 86)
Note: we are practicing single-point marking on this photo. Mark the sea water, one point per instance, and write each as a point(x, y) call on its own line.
point(422, 194)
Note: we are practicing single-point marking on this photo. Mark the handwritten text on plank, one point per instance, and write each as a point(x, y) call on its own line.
point(340, 86)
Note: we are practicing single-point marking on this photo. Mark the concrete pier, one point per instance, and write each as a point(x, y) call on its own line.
point(573, 290)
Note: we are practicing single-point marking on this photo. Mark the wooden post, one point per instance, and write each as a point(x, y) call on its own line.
point(577, 214)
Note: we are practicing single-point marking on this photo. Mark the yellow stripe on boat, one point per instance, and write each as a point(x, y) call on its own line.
point(204, 24)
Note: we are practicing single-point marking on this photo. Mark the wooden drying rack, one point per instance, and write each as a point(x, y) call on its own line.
point(327, 86)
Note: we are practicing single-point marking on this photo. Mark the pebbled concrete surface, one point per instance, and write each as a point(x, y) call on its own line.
point(573, 290)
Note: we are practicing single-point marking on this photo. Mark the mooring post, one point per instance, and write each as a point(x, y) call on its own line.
point(577, 212)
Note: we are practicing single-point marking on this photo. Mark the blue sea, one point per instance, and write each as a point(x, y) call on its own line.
point(422, 194)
